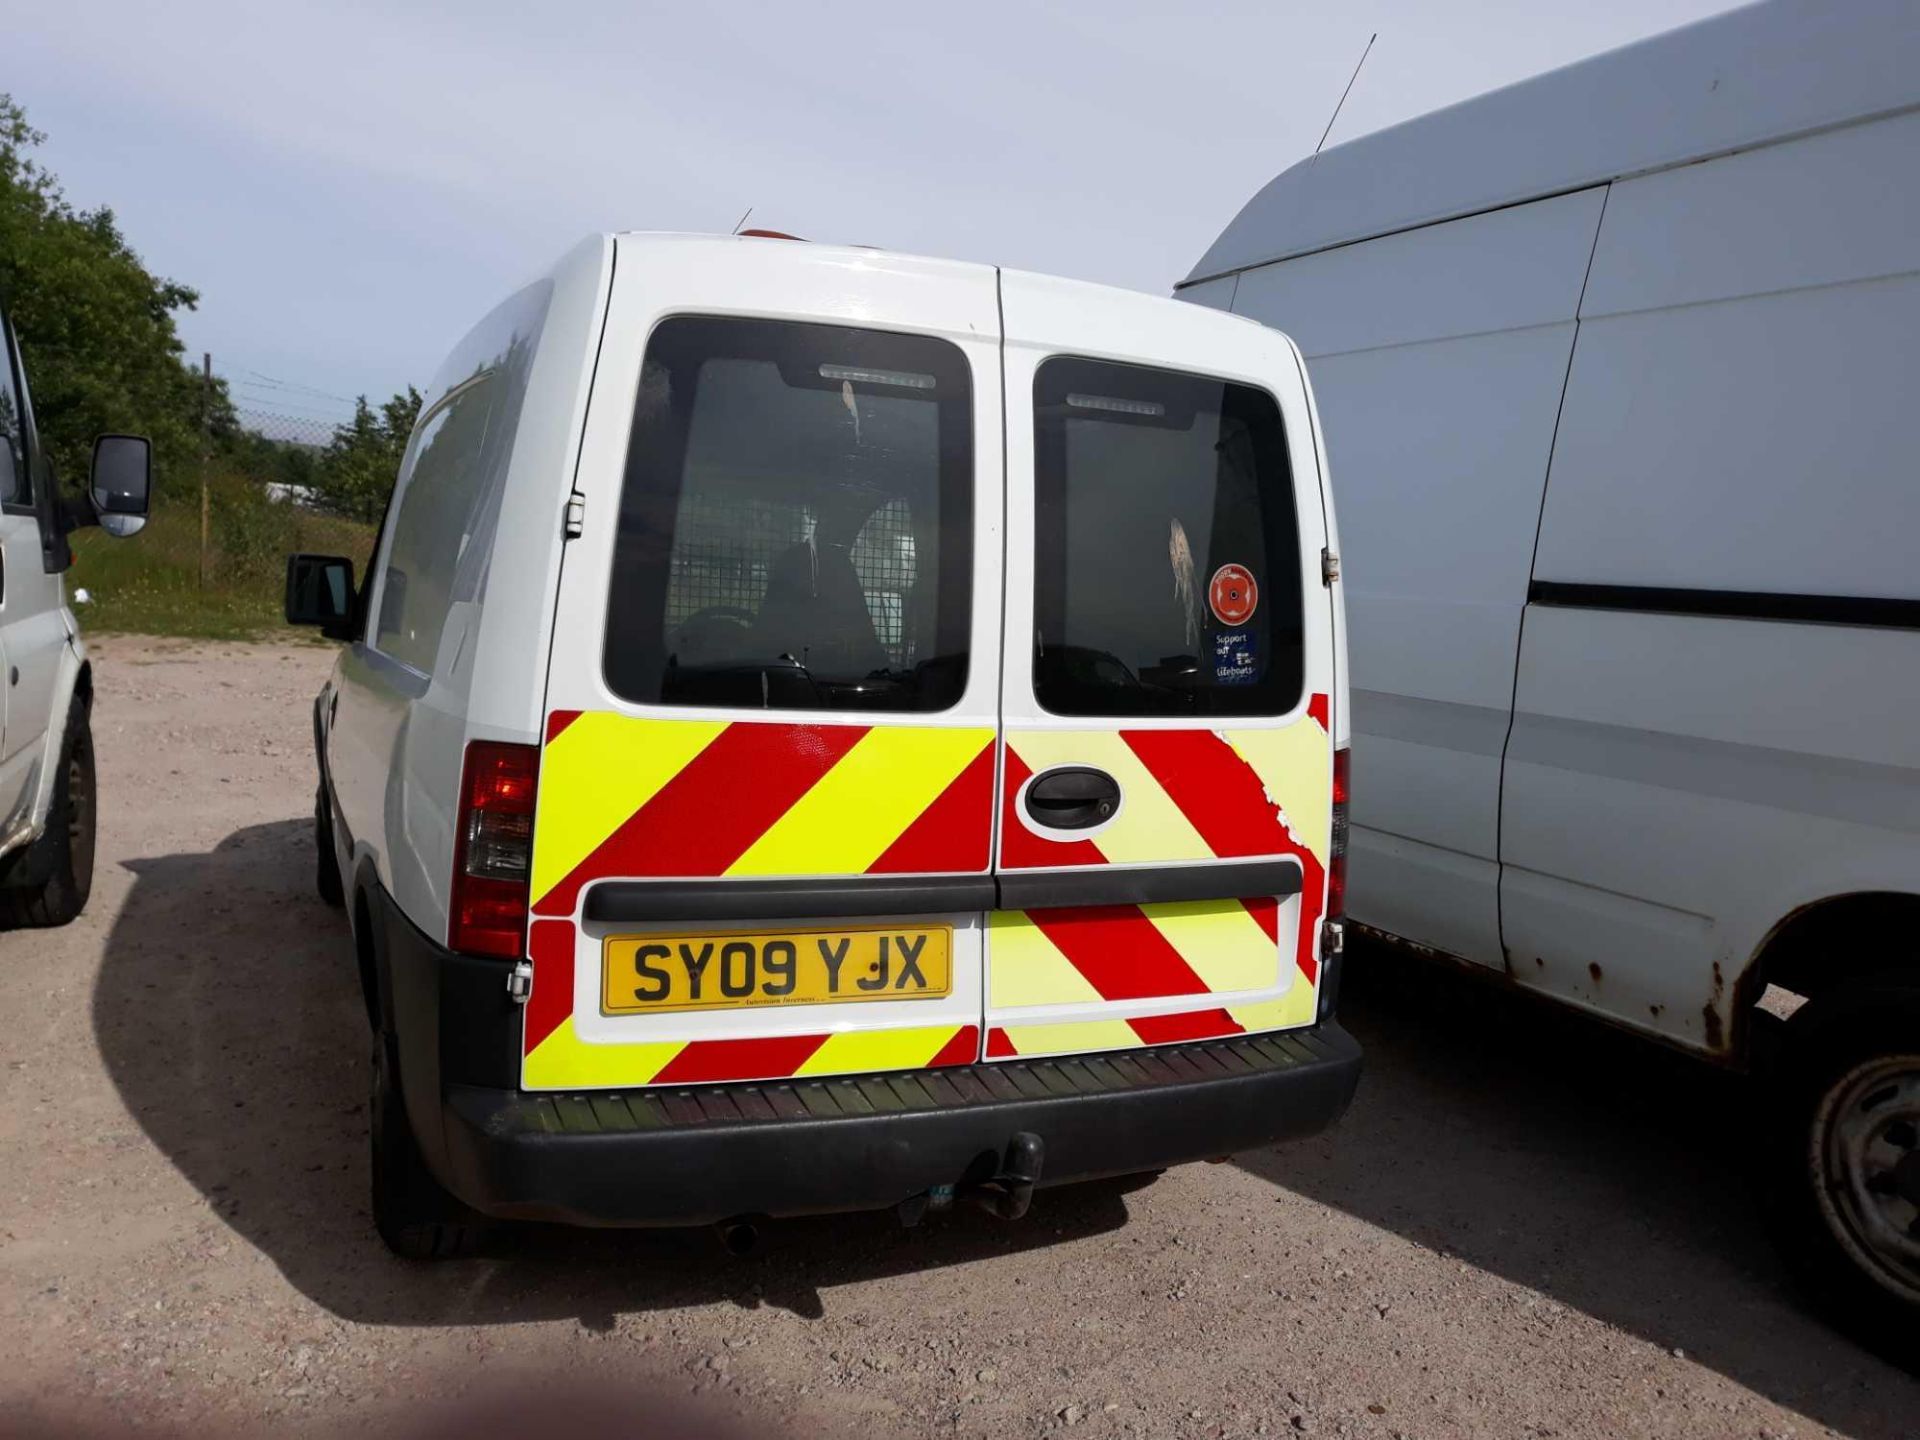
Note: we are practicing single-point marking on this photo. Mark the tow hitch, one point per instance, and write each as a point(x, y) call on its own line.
point(1008, 1194)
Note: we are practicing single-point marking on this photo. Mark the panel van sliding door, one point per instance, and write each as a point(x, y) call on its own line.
point(1716, 698)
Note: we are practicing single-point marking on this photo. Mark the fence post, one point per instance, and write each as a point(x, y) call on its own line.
point(206, 459)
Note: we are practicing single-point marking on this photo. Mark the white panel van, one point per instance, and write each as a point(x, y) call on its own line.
point(1620, 367)
point(830, 730)
point(48, 801)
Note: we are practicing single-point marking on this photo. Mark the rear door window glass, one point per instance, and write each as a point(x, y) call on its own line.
point(1167, 556)
point(796, 520)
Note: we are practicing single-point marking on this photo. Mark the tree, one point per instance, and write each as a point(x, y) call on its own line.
point(356, 472)
point(96, 327)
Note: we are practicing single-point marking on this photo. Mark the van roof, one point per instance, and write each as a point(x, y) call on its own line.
point(796, 245)
point(1089, 291)
point(1763, 73)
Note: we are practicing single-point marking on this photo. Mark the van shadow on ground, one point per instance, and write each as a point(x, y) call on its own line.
point(1605, 1172)
point(243, 1056)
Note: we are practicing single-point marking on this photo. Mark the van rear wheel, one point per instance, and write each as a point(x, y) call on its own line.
point(1845, 1159)
point(416, 1217)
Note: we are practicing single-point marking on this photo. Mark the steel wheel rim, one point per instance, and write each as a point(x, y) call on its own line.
point(1866, 1159)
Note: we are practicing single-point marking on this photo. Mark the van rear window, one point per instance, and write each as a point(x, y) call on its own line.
point(1167, 557)
point(796, 521)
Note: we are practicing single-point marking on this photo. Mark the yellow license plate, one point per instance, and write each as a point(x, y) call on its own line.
point(651, 974)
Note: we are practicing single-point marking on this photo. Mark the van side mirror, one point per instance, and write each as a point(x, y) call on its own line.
point(320, 592)
point(121, 482)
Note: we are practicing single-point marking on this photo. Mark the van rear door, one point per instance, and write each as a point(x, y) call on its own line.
point(1167, 781)
point(762, 842)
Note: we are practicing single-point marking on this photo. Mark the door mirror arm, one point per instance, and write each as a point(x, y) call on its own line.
point(74, 512)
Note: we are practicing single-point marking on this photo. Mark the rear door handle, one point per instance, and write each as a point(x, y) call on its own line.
point(1073, 797)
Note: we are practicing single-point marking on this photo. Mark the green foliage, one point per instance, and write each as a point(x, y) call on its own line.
point(151, 584)
point(355, 474)
point(96, 328)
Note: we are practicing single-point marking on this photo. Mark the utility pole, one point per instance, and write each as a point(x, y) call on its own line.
point(206, 460)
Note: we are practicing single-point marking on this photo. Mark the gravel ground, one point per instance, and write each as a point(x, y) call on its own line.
point(1525, 1227)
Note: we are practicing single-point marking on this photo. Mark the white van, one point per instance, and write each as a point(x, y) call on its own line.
point(830, 730)
point(48, 804)
point(1621, 369)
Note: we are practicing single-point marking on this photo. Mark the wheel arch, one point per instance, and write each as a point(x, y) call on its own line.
point(1817, 949)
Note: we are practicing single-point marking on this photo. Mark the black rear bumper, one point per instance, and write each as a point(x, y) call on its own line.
point(688, 1156)
point(683, 1157)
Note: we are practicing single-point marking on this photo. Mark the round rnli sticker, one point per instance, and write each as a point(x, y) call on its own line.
point(1232, 594)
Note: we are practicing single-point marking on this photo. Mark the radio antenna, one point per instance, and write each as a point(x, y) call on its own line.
point(1344, 93)
point(749, 211)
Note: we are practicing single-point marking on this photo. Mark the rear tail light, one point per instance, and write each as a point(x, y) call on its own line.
point(493, 850)
point(1337, 851)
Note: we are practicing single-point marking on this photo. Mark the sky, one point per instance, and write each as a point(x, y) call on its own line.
point(350, 186)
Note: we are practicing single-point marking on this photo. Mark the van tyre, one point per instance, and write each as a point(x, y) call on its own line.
point(326, 870)
point(49, 882)
point(1843, 1148)
point(416, 1217)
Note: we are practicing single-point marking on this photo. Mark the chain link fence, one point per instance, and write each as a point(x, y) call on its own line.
point(264, 500)
point(311, 433)
point(280, 453)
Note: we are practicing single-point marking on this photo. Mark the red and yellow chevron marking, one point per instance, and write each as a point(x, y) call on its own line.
point(1094, 953)
point(1109, 953)
point(1076, 1037)
point(1190, 794)
point(624, 796)
point(558, 1059)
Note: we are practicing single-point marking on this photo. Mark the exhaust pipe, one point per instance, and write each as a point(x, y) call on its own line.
point(738, 1237)
point(1010, 1192)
